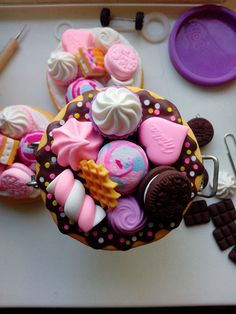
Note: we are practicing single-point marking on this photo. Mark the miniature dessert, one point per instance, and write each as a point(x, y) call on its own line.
point(20, 126)
point(96, 54)
point(138, 188)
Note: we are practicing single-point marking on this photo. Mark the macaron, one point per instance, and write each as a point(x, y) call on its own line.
point(14, 181)
point(164, 194)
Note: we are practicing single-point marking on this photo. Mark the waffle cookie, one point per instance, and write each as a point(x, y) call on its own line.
point(134, 221)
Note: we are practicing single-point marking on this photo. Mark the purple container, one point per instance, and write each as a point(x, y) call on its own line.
point(202, 45)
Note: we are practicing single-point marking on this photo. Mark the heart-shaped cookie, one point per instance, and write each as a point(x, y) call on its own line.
point(72, 39)
point(162, 139)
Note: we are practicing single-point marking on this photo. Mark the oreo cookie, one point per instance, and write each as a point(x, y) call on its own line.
point(165, 194)
point(202, 129)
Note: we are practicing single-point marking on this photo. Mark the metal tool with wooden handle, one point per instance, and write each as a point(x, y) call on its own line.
point(9, 50)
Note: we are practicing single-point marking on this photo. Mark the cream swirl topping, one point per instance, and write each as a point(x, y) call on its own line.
point(105, 38)
point(116, 111)
point(15, 121)
point(226, 185)
point(62, 66)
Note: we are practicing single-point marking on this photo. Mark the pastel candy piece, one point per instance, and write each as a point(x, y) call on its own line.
point(121, 62)
point(13, 181)
point(25, 152)
point(8, 150)
point(72, 39)
point(162, 139)
point(80, 86)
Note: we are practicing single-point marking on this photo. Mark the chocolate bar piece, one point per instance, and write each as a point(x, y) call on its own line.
point(225, 236)
point(222, 213)
point(232, 254)
point(197, 214)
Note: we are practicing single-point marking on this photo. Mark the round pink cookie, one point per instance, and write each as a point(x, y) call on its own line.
point(126, 162)
point(121, 62)
point(14, 180)
point(80, 86)
point(25, 153)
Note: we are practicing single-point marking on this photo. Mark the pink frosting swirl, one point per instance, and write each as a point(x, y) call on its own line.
point(127, 217)
point(75, 141)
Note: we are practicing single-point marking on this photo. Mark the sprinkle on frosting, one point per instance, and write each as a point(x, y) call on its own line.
point(127, 217)
point(75, 141)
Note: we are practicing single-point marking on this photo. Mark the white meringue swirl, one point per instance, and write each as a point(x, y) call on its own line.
point(105, 38)
point(226, 185)
point(62, 66)
point(116, 111)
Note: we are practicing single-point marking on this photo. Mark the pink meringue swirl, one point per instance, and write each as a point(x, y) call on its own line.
point(127, 217)
point(75, 141)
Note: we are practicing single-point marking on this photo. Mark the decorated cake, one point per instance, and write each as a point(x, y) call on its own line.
point(20, 126)
point(89, 59)
point(118, 168)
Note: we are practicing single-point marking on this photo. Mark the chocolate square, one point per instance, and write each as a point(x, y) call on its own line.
point(232, 255)
point(222, 213)
point(225, 236)
point(197, 214)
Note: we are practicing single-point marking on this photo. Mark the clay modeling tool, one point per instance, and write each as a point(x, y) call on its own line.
point(10, 48)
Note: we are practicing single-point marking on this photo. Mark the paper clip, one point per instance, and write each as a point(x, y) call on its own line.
point(228, 150)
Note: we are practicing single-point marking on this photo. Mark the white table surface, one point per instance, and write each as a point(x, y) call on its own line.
point(39, 266)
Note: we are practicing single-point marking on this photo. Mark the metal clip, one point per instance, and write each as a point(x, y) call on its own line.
point(34, 146)
point(213, 190)
point(228, 150)
point(33, 182)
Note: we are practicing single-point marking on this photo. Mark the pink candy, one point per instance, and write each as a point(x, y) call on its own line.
point(121, 62)
point(72, 39)
point(25, 153)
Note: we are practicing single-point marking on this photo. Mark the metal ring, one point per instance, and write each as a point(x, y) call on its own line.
point(158, 17)
point(228, 150)
point(215, 176)
point(57, 32)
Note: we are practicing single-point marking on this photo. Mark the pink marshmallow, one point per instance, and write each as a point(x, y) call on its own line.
point(72, 39)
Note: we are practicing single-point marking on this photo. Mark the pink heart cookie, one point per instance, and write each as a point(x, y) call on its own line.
point(72, 39)
point(13, 181)
point(162, 139)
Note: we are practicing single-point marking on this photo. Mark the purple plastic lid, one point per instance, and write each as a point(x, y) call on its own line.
point(202, 45)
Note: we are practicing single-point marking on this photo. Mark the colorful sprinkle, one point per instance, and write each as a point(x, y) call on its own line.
point(150, 224)
point(172, 118)
point(182, 168)
point(90, 96)
point(149, 233)
point(76, 115)
point(61, 208)
point(150, 110)
point(127, 242)
point(157, 106)
point(54, 203)
point(156, 112)
point(110, 236)
point(88, 104)
point(47, 164)
point(52, 176)
point(49, 196)
point(62, 215)
point(100, 240)
point(188, 152)
point(86, 116)
point(62, 122)
point(66, 227)
point(187, 145)
point(195, 167)
point(134, 238)
point(122, 240)
point(41, 179)
point(54, 159)
point(146, 102)
point(95, 233)
point(47, 148)
point(193, 158)
point(192, 173)
point(169, 109)
point(46, 183)
point(104, 229)
point(179, 120)
point(79, 104)
point(187, 160)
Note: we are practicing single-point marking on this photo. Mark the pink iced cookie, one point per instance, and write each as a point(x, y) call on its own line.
point(121, 62)
point(25, 152)
point(162, 139)
point(14, 179)
point(72, 39)
point(126, 162)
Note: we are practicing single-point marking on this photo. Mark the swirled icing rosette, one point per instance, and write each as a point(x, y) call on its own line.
point(116, 112)
point(127, 217)
point(63, 67)
point(75, 141)
point(106, 37)
point(226, 185)
point(78, 206)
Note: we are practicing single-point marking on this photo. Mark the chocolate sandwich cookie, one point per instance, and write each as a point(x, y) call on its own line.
point(165, 194)
point(202, 129)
